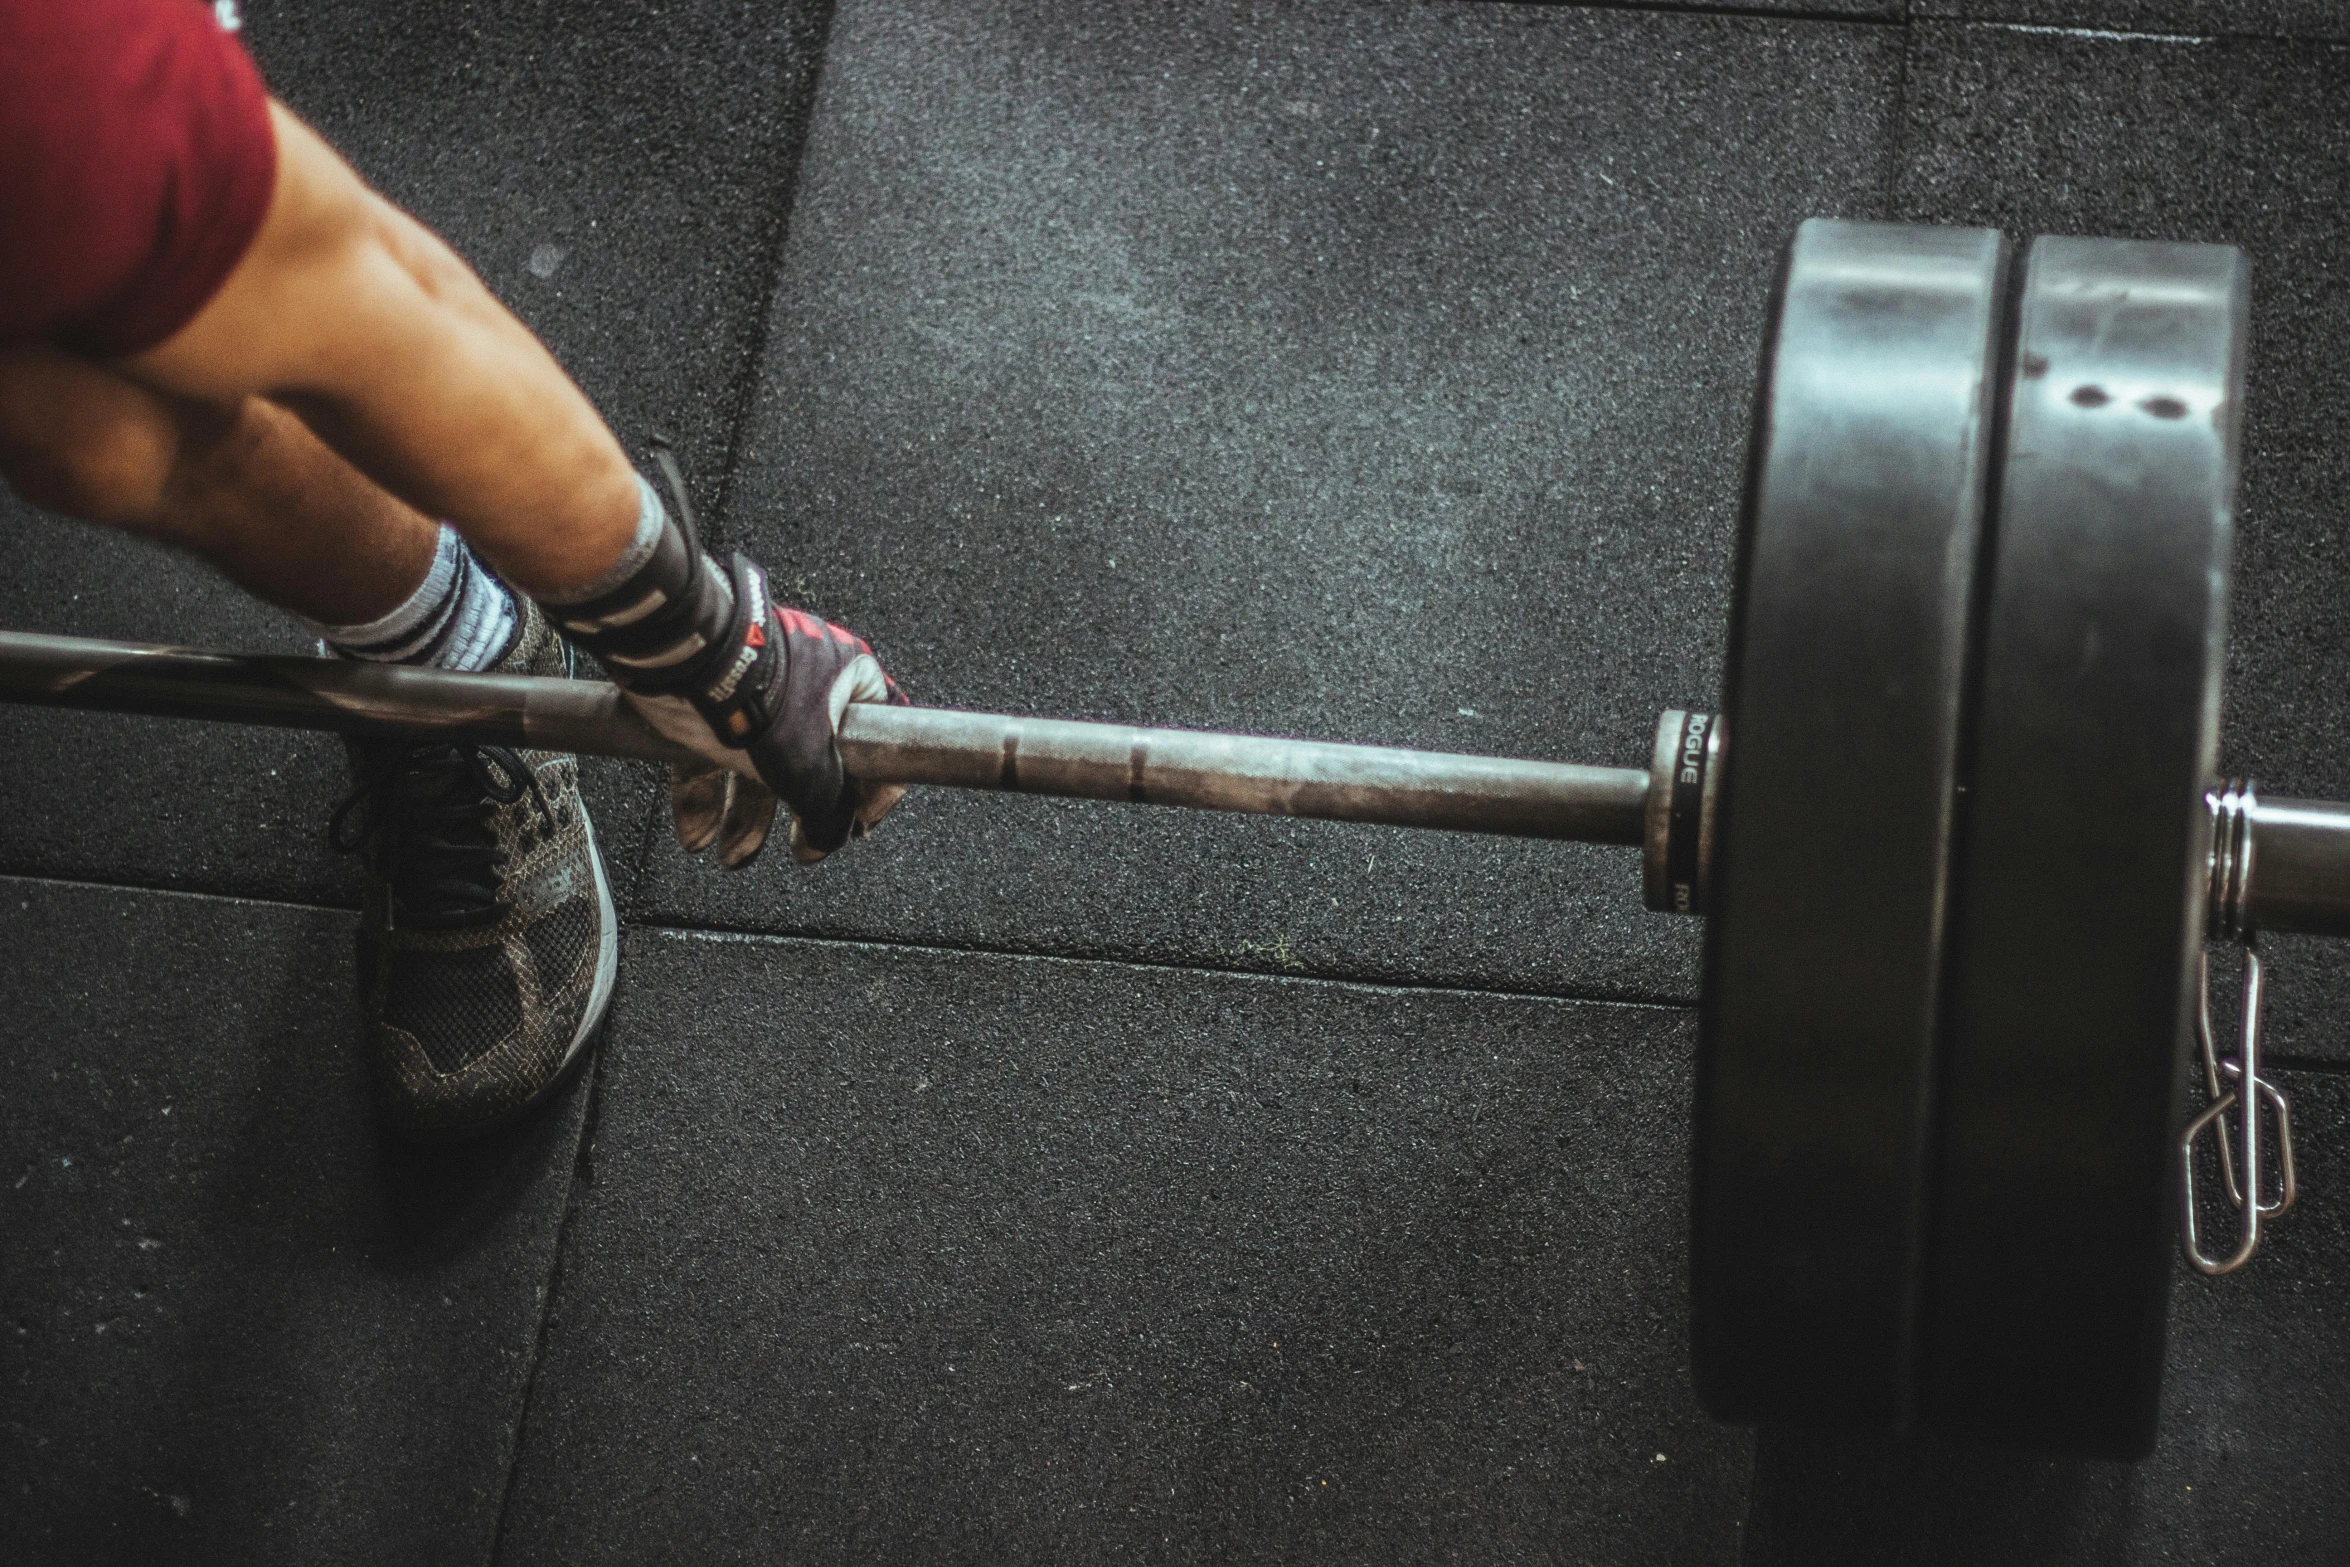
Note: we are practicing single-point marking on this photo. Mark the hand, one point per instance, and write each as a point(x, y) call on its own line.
point(801, 674)
point(755, 690)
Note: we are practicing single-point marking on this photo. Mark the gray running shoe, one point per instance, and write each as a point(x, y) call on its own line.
point(487, 939)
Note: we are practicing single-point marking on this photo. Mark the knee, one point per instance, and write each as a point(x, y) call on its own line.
point(422, 256)
point(101, 461)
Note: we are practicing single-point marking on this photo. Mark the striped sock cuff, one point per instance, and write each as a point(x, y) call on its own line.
point(460, 617)
point(483, 624)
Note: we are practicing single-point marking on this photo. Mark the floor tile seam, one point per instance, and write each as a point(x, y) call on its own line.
point(2093, 34)
point(646, 840)
point(742, 391)
point(1724, 8)
point(2295, 1063)
point(1948, 19)
point(681, 930)
point(2319, 1064)
point(1897, 138)
point(632, 924)
point(551, 1283)
point(107, 884)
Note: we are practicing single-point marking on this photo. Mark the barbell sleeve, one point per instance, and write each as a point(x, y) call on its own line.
point(2299, 878)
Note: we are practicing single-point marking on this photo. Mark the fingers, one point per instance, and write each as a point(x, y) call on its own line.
point(874, 801)
point(860, 680)
point(867, 808)
point(697, 803)
point(860, 807)
point(720, 801)
point(674, 718)
point(709, 805)
point(864, 681)
point(750, 816)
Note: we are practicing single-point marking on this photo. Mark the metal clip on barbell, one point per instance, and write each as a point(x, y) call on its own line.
point(1952, 945)
point(2235, 808)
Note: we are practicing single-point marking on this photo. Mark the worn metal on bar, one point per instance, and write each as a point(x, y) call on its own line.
point(1247, 773)
point(384, 701)
point(1259, 775)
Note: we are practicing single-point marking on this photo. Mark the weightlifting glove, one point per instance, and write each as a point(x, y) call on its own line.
point(756, 690)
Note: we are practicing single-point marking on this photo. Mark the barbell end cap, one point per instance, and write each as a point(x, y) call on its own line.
point(1655, 875)
point(1684, 782)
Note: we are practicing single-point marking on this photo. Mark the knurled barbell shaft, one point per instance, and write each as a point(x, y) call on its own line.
point(1248, 773)
point(378, 701)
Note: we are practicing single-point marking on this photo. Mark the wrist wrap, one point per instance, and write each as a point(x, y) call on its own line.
point(681, 627)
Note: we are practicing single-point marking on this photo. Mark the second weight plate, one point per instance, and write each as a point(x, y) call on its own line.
point(1849, 645)
point(2083, 883)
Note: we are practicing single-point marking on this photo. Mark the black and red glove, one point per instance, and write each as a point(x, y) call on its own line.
point(755, 689)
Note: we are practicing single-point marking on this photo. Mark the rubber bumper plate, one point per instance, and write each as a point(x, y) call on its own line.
point(1847, 662)
point(2083, 878)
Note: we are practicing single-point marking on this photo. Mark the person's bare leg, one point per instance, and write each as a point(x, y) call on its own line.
point(356, 317)
point(249, 489)
point(488, 938)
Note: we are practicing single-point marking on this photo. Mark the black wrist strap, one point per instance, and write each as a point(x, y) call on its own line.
point(731, 690)
point(675, 625)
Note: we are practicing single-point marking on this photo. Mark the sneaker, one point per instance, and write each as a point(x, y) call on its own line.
point(487, 937)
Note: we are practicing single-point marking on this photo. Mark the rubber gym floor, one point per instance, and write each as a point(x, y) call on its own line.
point(1056, 1182)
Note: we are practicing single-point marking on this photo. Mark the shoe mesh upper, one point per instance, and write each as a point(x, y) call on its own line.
point(561, 942)
point(456, 1004)
point(474, 1023)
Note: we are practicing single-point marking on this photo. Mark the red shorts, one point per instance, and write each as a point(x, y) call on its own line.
point(136, 165)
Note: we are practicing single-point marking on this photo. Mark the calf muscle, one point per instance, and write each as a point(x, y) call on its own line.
point(246, 488)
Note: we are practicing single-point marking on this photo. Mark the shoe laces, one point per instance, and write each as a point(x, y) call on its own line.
point(423, 815)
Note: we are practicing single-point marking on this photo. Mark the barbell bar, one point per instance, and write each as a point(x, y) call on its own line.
point(2292, 873)
point(1956, 826)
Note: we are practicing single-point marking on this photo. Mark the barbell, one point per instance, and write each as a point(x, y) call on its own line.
point(1955, 830)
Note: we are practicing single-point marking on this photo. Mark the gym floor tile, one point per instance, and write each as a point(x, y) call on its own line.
point(2042, 132)
point(2176, 18)
point(1371, 372)
point(2256, 1417)
point(236, 1324)
point(908, 1255)
point(619, 175)
point(155, 801)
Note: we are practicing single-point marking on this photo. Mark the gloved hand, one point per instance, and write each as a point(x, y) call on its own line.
point(755, 690)
point(805, 673)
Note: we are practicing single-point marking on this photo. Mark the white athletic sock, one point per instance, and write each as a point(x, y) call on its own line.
point(650, 519)
point(459, 617)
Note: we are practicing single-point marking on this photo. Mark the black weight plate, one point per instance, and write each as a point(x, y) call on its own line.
point(2082, 893)
point(1843, 693)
